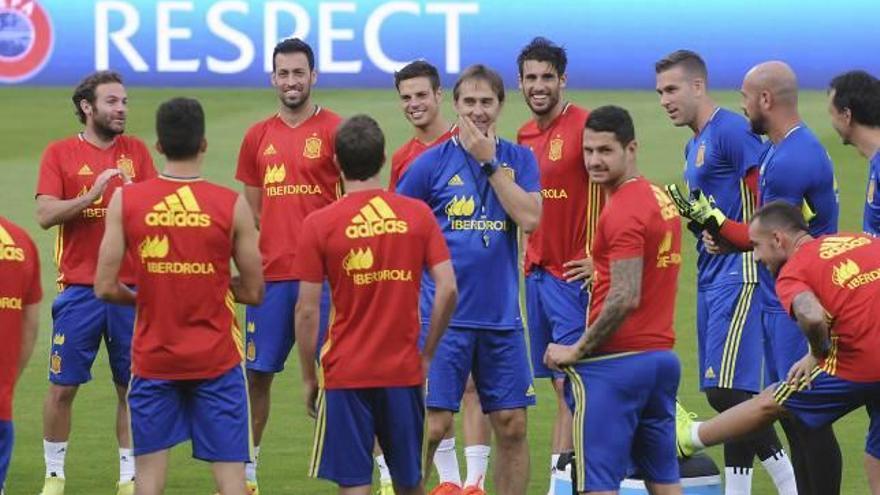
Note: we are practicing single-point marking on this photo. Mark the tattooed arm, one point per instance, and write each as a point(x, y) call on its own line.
point(624, 294)
point(814, 322)
point(812, 319)
point(623, 297)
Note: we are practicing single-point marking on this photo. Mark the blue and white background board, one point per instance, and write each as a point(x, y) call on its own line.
point(611, 43)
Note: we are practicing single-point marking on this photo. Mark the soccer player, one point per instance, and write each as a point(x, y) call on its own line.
point(20, 295)
point(621, 374)
point(557, 253)
point(188, 381)
point(372, 246)
point(854, 106)
point(418, 85)
point(286, 166)
point(77, 177)
point(794, 168)
point(721, 160)
point(828, 284)
point(481, 188)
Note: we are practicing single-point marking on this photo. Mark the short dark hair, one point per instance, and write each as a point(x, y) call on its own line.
point(88, 86)
point(482, 72)
point(419, 68)
point(360, 147)
point(613, 119)
point(690, 61)
point(294, 45)
point(180, 127)
point(860, 93)
point(543, 50)
point(781, 215)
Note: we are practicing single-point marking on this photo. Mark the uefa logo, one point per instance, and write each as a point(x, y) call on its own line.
point(26, 39)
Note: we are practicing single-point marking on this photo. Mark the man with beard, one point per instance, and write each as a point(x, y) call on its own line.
point(721, 160)
point(557, 262)
point(286, 166)
point(828, 285)
point(76, 179)
point(418, 86)
point(795, 168)
point(622, 374)
point(854, 105)
point(482, 190)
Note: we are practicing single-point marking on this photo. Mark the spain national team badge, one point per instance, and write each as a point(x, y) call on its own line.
point(125, 164)
point(872, 185)
point(701, 155)
point(251, 351)
point(312, 148)
point(554, 154)
point(508, 170)
point(55, 363)
point(26, 39)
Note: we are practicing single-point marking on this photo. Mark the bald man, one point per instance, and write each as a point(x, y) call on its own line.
point(823, 386)
point(795, 168)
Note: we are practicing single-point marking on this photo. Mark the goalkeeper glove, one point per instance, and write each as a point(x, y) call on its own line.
point(705, 212)
point(699, 209)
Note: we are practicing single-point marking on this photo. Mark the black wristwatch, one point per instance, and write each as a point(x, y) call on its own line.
point(489, 167)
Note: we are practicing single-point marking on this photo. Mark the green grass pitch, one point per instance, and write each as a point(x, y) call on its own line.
point(34, 116)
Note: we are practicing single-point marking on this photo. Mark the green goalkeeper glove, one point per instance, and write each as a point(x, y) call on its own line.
point(699, 209)
point(705, 212)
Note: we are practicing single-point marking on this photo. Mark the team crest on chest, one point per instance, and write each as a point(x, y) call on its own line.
point(312, 149)
point(872, 186)
point(126, 165)
point(554, 154)
point(701, 155)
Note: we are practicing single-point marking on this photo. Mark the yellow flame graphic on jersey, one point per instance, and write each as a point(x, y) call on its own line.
point(275, 174)
point(360, 259)
point(154, 247)
point(845, 271)
point(460, 207)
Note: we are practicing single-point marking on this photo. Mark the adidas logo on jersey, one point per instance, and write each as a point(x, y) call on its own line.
point(710, 373)
point(153, 247)
point(178, 210)
point(455, 181)
point(8, 250)
point(275, 174)
point(833, 246)
point(270, 150)
point(375, 218)
point(85, 170)
point(358, 259)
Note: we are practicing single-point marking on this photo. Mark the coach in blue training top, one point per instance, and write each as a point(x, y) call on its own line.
point(481, 189)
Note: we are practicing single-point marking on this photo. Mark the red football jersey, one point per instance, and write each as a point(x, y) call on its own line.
point(843, 271)
point(294, 167)
point(68, 169)
point(372, 247)
point(181, 234)
point(639, 221)
point(19, 287)
point(405, 155)
point(571, 203)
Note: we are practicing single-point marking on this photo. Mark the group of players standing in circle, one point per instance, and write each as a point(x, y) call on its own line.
point(423, 279)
